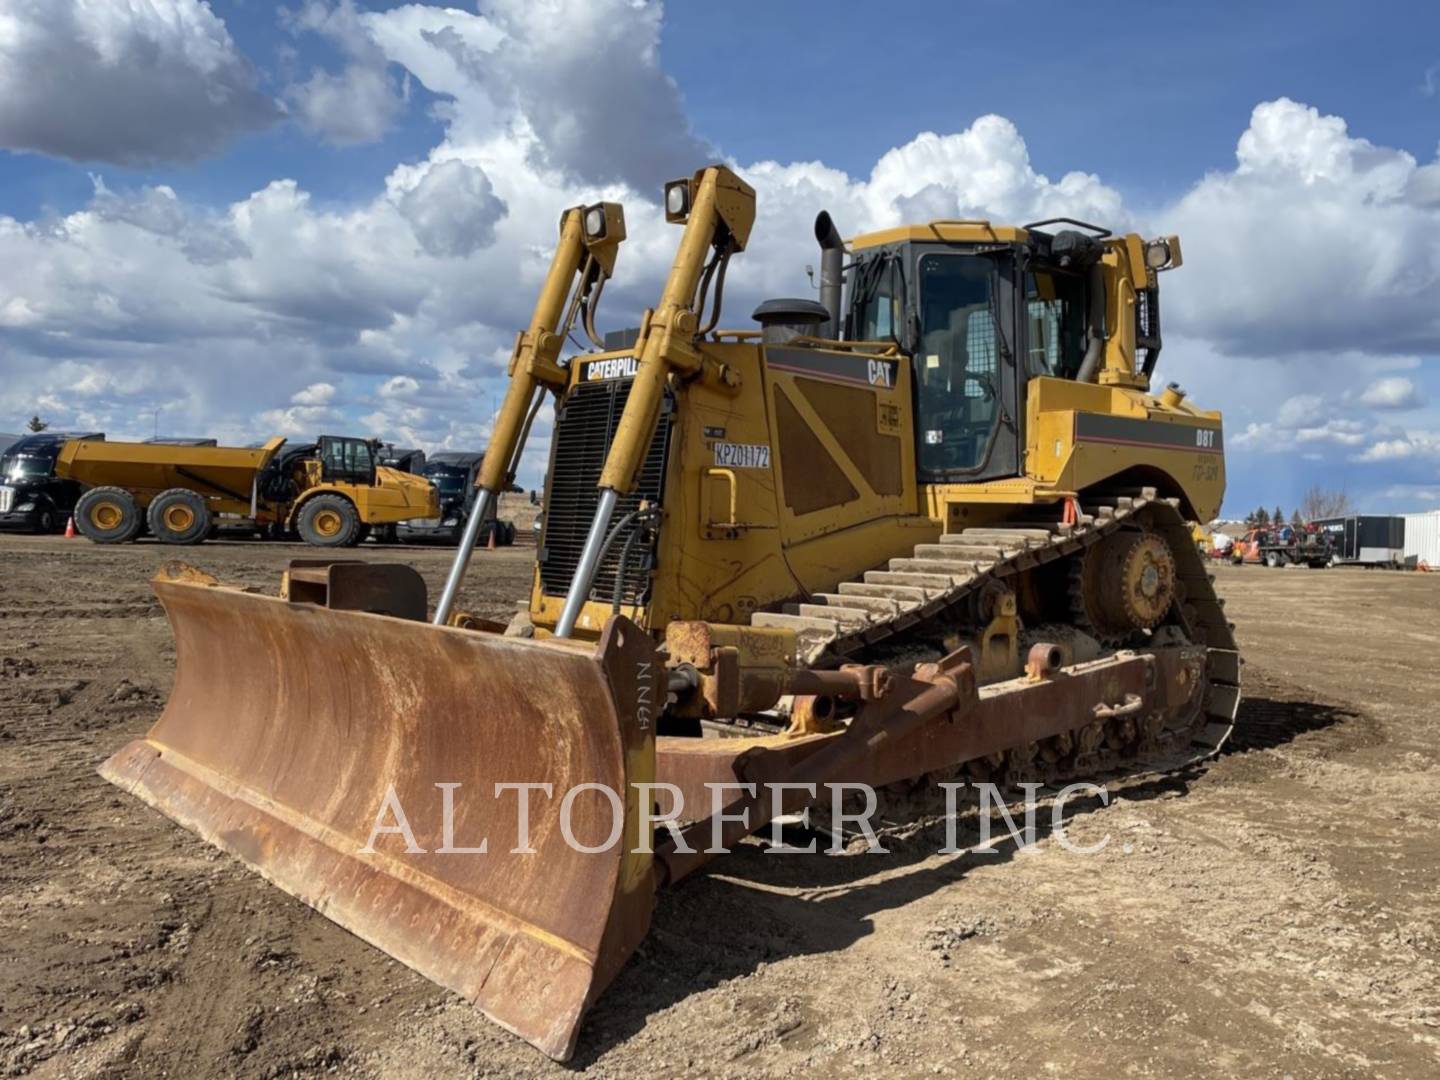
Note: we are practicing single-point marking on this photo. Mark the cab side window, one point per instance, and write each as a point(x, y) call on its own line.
point(1055, 320)
point(879, 314)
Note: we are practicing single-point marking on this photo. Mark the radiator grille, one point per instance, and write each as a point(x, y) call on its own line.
point(7, 499)
point(583, 432)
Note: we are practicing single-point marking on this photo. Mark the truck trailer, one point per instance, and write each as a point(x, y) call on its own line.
point(1365, 540)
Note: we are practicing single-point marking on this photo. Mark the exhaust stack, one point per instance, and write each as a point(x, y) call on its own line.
point(832, 255)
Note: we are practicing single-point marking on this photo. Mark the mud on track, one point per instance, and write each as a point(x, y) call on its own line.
point(1276, 913)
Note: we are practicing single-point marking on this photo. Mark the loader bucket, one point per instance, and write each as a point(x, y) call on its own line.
point(293, 729)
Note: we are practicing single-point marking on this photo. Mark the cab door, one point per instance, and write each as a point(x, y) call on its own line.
point(966, 386)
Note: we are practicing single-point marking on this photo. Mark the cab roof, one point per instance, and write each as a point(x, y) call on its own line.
point(962, 232)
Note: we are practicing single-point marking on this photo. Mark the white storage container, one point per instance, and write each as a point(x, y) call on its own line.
point(1422, 538)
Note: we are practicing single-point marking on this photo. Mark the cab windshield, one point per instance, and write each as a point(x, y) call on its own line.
point(447, 481)
point(25, 467)
point(957, 365)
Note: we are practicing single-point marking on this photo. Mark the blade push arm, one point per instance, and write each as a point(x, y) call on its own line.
point(584, 259)
point(718, 209)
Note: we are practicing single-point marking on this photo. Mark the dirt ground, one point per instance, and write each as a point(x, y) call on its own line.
point(1276, 913)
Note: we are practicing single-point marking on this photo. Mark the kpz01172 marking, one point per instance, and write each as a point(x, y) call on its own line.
point(742, 456)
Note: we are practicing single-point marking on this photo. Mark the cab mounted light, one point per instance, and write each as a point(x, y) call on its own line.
point(1163, 254)
point(595, 223)
point(677, 201)
point(602, 228)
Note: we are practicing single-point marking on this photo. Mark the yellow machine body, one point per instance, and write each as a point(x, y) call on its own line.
point(824, 484)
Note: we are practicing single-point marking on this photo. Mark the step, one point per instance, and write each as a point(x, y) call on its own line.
point(848, 618)
point(1020, 532)
point(880, 606)
point(956, 570)
point(933, 584)
point(952, 553)
point(781, 621)
point(902, 594)
point(812, 636)
point(961, 548)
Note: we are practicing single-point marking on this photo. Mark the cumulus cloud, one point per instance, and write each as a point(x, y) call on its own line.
point(320, 393)
point(1413, 444)
point(1310, 211)
point(393, 314)
point(399, 386)
point(204, 238)
point(548, 67)
point(362, 101)
point(1300, 411)
point(453, 209)
point(135, 84)
point(1392, 392)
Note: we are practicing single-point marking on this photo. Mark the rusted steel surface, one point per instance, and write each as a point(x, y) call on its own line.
point(352, 585)
point(289, 724)
point(943, 692)
point(1006, 715)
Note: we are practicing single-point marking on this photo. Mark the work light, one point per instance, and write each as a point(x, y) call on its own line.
point(595, 222)
point(677, 200)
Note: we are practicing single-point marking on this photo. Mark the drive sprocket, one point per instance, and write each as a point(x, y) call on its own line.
point(1123, 584)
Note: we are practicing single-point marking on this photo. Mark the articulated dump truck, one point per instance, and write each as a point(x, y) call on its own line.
point(330, 492)
point(929, 527)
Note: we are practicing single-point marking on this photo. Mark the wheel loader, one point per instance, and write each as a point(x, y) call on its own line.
point(929, 526)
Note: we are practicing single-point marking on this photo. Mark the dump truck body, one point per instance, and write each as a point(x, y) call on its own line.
point(226, 475)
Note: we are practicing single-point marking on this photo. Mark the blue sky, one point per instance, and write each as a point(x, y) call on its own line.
point(256, 216)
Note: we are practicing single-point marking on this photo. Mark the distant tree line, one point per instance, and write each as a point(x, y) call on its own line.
point(1319, 503)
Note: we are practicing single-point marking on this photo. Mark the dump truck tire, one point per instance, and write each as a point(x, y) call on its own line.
point(180, 516)
point(328, 521)
point(108, 515)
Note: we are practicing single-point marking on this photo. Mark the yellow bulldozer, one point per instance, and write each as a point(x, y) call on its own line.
point(929, 526)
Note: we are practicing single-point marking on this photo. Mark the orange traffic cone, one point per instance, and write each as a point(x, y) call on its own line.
point(70, 528)
point(490, 539)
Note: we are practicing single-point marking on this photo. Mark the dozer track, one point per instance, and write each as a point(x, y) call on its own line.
point(918, 597)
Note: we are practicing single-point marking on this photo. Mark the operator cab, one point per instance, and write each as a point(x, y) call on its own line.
point(980, 310)
point(347, 460)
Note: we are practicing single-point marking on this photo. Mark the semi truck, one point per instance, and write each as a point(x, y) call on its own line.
point(331, 492)
point(453, 474)
point(32, 497)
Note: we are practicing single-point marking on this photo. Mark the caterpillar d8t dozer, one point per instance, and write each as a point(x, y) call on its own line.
point(932, 525)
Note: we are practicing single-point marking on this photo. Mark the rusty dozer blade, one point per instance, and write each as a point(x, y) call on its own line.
point(294, 729)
